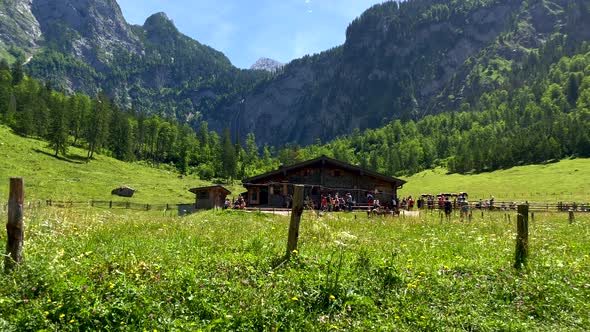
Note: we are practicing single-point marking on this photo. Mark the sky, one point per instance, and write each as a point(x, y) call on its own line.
point(246, 30)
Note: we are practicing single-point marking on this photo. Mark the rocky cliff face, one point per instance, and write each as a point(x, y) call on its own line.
point(88, 29)
point(18, 25)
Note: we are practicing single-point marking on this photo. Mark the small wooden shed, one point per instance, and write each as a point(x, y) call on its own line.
point(212, 197)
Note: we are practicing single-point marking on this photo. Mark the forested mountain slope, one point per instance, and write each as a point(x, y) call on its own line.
point(87, 46)
point(406, 60)
point(400, 61)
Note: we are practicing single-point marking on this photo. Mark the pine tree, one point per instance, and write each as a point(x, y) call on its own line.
point(98, 124)
point(228, 156)
point(17, 73)
point(58, 129)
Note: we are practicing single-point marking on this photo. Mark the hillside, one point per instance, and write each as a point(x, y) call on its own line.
point(565, 181)
point(71, 178)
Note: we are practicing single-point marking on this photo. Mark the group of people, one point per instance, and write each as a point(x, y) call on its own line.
point(337, 202)
point(237, 204)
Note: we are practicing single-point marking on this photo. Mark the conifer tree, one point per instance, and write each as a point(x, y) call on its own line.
point(58, 130)
point(228, 156)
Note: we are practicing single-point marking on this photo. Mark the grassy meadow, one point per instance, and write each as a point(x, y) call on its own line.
point(102, 270)
point(567, 180)
point(71, 178)
point(89, 269)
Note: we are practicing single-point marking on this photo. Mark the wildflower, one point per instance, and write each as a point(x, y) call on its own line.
point(72, 321)
point(422, 317)
point(332, 297)
point(445, 267)
point(294, 298)
point(46, 313)
point(111, 285)
point(396, 317)
point(62, 316)
point(295, 251)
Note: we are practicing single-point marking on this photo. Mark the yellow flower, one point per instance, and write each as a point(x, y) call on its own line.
point(62, 316)
point(445, 267)
point(586, 256)
point(294, 298)
point(422, 317)
point(396, 317)
point(295, 251)
point(332, 297)
point(422, 273)
point(46, 313)
point(112, 286)
point(72, 321)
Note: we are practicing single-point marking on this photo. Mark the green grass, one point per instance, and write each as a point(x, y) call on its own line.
point(103, 270)
point(71, 178)
point(97, 269)
point(567, 180)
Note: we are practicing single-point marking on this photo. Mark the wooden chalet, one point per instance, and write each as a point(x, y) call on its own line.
point(212, 197)
point(321, 176)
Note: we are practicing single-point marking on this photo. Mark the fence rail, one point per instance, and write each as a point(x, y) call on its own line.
point(498, 206)
point(103, 204)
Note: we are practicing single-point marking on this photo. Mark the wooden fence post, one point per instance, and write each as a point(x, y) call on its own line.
point(15, 227)
point(522, 238)
point(110, 204)
point(572, 218)
point(295, 219)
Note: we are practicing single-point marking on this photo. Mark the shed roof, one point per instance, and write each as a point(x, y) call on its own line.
point(327, 161)
point(209, 188)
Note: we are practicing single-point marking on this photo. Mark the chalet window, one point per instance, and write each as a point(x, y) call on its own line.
point(254, 196)
point(203, 195)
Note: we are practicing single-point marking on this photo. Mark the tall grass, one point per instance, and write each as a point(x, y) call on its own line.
point(122, 270)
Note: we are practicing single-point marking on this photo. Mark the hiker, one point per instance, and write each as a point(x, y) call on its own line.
point(370, 200)
point(324, 204)
point(410, 203)
point(349, 201)
point(226, 204)
point(448, 209)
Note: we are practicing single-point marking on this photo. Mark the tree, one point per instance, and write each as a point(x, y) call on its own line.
point(98, 124)
point(228, 156)
point(58, 129)
point(17, 73)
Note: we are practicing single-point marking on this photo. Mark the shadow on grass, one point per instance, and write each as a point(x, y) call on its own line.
point(70, 158)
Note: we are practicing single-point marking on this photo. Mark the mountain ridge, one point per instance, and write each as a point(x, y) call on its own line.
point(399, 61)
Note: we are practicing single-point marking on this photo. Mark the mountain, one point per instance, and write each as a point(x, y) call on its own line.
point(400, 60)
point(403, 61)
point(87, 46)
point(267, 64)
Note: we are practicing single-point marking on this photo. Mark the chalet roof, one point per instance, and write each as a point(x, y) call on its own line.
point(327, 161)
point(209, 188)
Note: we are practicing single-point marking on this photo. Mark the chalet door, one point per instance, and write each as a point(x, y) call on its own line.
point(264, 196)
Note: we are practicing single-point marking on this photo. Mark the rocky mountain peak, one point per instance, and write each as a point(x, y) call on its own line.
point(267, 64)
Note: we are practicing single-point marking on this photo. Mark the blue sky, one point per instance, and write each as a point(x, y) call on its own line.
point(246, 30)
